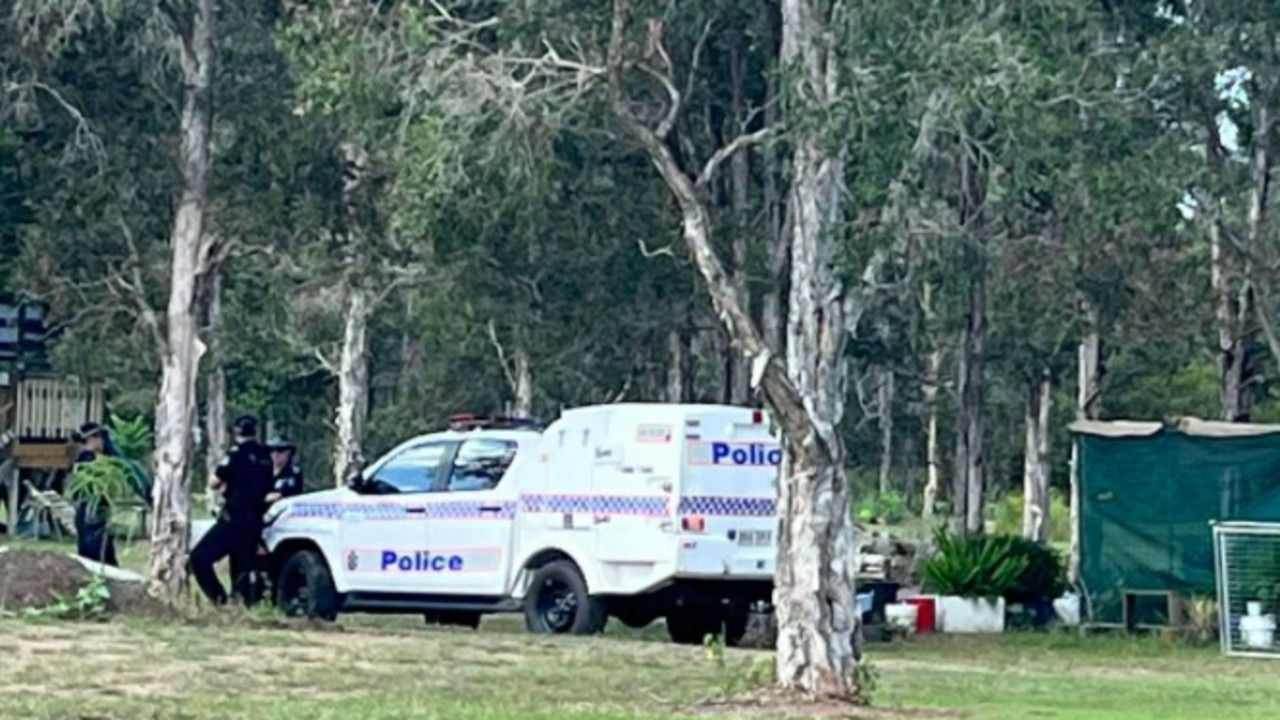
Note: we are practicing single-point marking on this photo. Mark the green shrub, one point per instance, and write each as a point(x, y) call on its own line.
point(889, 508)
point(973, 566)
point(1007, 515)
point(1044, 577)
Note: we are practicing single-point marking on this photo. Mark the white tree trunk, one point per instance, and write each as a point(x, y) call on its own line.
point(353, 385)
point(932, 381)
point(175, 407)
point(1088, 407)
point(813, 587)
point(884, 408)
point(1035, 474)
point(215, 418)
point(969, 479)
point(522, 370)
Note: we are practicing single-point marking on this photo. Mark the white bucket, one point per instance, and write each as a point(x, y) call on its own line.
point(1258, 632)
point(1253, 608)
point(902, 616)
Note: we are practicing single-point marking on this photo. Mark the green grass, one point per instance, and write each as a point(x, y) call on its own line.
point(382, 668)
point(391, 670)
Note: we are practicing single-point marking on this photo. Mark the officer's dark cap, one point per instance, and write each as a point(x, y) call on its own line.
point(246, 426)
point(280, 442)
point(88, 430)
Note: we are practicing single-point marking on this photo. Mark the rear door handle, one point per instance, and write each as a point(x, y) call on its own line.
point(490, 508)
point(416, 510)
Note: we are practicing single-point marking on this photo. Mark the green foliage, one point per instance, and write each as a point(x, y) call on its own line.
point(973, 566)
point(133, 437)
point(1043, 578)
point(735, 676)
point(101, 484)
point(889, 508)
point(1006, 513)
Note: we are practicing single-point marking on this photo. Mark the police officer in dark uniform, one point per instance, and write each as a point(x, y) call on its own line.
point(244, 478)
point(93, 538)
point(288, 476)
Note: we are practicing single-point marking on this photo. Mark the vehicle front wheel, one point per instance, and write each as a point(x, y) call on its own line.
point(558, 602)
point(304, 587)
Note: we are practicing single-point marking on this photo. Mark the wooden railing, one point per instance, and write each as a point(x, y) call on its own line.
point(51, 409)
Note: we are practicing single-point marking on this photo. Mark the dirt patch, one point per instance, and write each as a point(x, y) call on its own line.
point(772, 703)
point(34, 579)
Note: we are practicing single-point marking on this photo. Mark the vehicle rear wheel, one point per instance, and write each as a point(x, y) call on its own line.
point(304, 587)
point(453, 618)
point(558, 602)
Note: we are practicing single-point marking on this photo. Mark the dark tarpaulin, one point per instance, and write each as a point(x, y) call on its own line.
point(1147, 497)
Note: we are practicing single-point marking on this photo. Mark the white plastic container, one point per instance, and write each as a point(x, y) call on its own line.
point(970, 615)
point(1258, 632)
point(901, 616)
point(199, 528)
point(1253, 608)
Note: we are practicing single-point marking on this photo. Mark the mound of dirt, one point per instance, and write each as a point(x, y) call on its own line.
point(34, 579)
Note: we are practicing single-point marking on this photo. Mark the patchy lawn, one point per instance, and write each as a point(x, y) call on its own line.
point(141, 671)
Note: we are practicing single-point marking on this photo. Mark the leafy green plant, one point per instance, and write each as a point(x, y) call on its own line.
point(132, 437)
point(1044, 577)
point(973, 566)
point(90, 601)
point(100, 484)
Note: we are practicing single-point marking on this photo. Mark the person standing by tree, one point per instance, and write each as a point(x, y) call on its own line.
point(287, 474)
point(244, 478)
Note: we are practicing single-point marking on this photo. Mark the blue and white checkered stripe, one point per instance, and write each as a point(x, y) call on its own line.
point(449, 510)
point(727, 506)
point(644, 505)
point(468, 510)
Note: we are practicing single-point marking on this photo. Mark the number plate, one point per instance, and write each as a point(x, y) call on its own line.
point(755, 538)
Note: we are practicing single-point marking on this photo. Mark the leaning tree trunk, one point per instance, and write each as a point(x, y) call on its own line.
point(175, 407)
point(522, 371)
point(813, 586)
point(353, 385)
point(1035, 474)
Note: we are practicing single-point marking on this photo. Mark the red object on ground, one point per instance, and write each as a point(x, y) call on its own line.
point(926, 613)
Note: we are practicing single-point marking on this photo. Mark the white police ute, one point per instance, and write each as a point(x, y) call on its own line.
point(635, 511)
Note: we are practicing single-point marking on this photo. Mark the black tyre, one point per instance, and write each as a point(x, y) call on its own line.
point(558, 602)
point(453, 618)
point(304, 587)
point(692, 625)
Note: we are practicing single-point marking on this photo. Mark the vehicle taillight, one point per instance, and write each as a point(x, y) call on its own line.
point(693, 523)
point(757, 417)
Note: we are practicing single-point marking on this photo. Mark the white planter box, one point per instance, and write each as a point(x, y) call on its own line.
point(970, 615)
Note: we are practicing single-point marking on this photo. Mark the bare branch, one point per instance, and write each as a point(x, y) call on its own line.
point(646, 252)
point(719, 157)
point(137, 289)
point(502, 354)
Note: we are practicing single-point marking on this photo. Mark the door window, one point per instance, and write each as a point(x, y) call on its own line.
point(413, 470)
point(480, 464)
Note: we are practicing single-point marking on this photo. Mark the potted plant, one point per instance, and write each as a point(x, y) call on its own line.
point(970, 575)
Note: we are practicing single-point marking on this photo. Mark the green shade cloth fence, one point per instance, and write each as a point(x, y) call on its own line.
point(1148, 493)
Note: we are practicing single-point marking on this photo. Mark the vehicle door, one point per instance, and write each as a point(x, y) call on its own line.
point(472, 520)
point(384, 530)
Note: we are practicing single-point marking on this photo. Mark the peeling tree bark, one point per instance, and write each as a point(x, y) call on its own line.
point(969, 471)
point(1035, 474)
point(353, 385)
point(215, 416)
point(1088, 407)
point(175, 407)
point(813, 586)
point(932, 381)
point(884, 408)
point(680, 366)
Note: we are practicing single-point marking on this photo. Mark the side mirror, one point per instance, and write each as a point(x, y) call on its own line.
point(355, 481)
